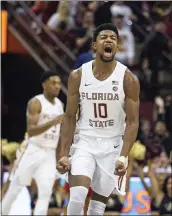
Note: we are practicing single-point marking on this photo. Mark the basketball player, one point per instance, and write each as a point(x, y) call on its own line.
point(44, 116)
point(11, 151)
point(108, 96)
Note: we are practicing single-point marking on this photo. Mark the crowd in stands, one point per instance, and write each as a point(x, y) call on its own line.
point(145, 46)
point(145, 30)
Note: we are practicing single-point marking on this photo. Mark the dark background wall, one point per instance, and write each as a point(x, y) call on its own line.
point(20, 82)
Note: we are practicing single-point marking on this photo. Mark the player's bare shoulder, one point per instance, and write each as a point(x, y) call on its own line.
point(34, 105)
point(131, 85)
point(74, 80)
point(75, 75)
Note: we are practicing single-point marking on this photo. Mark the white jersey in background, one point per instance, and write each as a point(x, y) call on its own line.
point(102, 103)
point(38, 161)
point(49, 112)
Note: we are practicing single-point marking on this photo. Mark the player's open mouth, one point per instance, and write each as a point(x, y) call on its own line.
point(108, 51)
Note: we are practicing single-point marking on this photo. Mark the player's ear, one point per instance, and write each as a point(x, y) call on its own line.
point(117, 47)
point(118, 42)
point(43, 85)
point(94, 47)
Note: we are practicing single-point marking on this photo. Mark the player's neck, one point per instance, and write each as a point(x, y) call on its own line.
point(50, 98)
point(104, 67)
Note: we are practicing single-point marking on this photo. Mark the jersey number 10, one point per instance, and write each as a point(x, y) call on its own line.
point(100, 110)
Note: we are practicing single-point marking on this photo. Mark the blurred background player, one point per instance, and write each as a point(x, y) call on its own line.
point(44, 116)
point(57, 201)
point(12, 151)
point(28, 196)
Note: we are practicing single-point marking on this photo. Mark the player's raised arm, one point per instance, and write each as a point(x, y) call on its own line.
point(69, 121)
point(132, 92)
point(34, 110)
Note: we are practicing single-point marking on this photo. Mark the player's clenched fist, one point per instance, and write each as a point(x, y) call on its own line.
point(58, 119)
point(63, 165)
point(120, 167)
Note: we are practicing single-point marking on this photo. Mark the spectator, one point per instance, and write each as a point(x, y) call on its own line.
point(99, 19)
point(61, 30)
point(80, 11)
point(49, 10)
point(164, 163)
point(84, 33)
point(56, 202)
point(155, 191)
point(162, 195)
point(84, 58)
point(126, 51)
point(161, 164)
point(162, 136)
point(38, 7)
point(119, 7)
point(145, 131)
point(163, 110)
point(93, 5)
point(73, 6)
point(62, 33)
point(63, 14)
point(168, 112)
point(159, 108)
point(154, 46)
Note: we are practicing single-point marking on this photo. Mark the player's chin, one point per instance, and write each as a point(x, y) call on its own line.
point(107, 58)
point(62, 171)
point(56, 93)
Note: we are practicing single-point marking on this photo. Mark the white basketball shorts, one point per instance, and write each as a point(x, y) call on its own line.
point(95, 158)
point(36, 162)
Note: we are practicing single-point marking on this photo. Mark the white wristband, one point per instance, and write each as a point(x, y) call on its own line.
point(122, 159)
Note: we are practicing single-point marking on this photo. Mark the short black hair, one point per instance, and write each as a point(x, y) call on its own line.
point(103, 27)
point(46, 75)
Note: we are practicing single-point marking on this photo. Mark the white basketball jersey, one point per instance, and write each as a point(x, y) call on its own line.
point(48, 112)
point(102, 103)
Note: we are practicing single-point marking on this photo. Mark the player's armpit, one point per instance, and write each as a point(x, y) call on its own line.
point(132, 92)
point(73, 93)
point(69, 121)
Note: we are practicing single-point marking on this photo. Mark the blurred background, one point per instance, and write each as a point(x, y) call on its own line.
point(38, 36)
